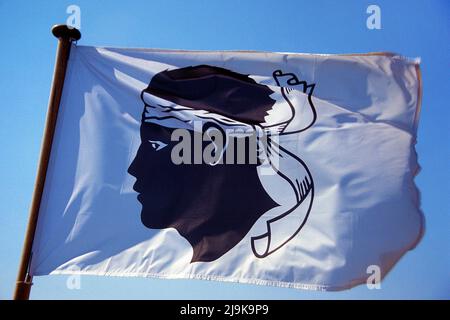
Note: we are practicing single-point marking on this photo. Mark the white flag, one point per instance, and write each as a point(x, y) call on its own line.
point(293, 170)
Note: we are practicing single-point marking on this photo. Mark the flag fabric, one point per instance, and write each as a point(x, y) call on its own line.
point(284, 169)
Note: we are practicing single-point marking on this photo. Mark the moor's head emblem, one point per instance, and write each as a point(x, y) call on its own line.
point(214, 201)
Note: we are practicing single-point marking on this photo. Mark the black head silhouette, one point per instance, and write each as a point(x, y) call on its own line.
point(213, 207)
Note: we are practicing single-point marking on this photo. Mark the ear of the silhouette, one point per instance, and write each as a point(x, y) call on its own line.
point(214, 151)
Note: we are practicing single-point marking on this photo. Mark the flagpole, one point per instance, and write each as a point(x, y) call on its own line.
point(65, 37)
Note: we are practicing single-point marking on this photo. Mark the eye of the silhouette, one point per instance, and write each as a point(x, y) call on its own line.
point(157, 145)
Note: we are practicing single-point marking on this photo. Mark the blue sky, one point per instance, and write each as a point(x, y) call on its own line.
point(413, 28)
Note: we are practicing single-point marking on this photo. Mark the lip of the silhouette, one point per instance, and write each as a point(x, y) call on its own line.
point(137, 188)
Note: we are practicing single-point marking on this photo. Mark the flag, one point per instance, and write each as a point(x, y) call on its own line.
point(284, 169)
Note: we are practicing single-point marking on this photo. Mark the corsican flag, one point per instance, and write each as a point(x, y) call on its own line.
point(282, 169)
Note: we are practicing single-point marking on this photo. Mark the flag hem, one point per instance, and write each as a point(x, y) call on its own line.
point(373, 53)
point(262, 282)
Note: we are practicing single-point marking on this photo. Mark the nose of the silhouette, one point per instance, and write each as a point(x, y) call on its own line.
point(133, 168)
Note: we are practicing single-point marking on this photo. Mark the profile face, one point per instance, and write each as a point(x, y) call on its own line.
point(156, 176)
point(212, 206)
point(177, 195)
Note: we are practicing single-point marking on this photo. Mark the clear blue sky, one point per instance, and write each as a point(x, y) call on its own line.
point(412, 28)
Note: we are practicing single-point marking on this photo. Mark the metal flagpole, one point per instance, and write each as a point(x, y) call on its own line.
point(65, 37)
